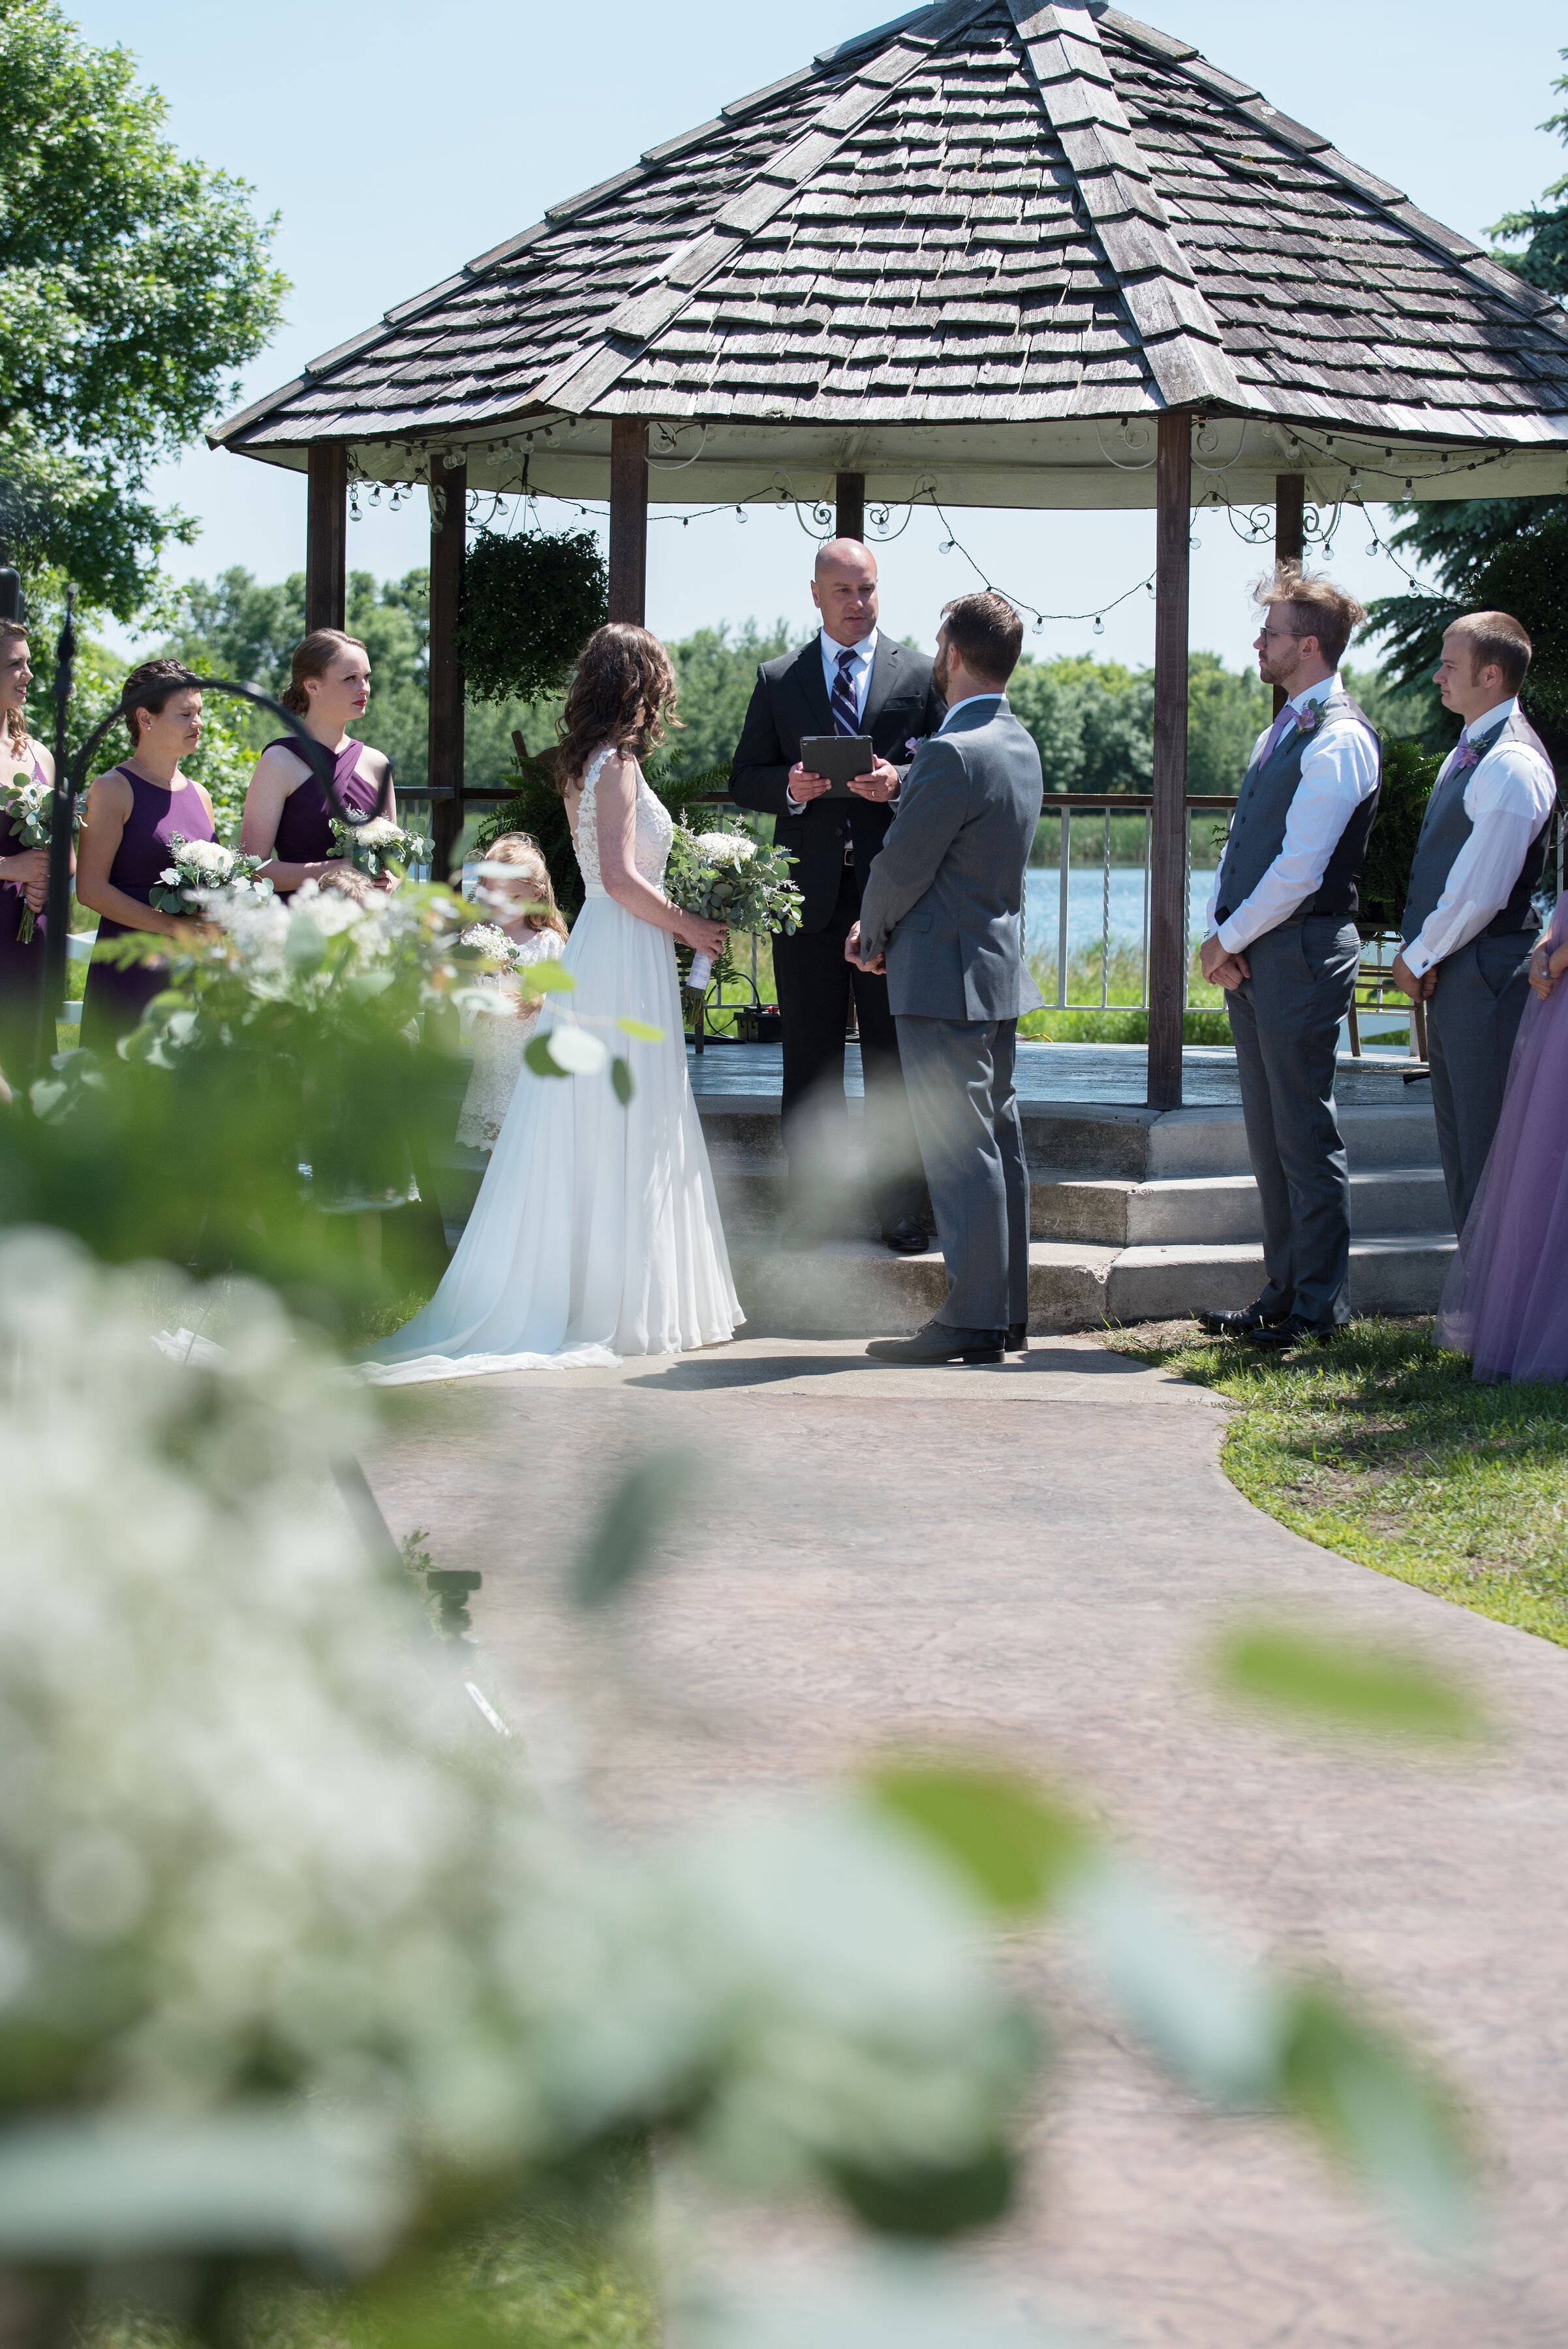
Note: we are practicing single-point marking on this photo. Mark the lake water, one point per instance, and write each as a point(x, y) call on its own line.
point(1086, 905)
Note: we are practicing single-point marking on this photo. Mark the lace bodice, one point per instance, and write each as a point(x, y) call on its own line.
point(655, 829)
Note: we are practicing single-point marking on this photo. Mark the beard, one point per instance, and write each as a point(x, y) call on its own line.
point(940, 671)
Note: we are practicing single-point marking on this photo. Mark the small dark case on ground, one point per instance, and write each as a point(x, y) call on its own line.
point(838, 756)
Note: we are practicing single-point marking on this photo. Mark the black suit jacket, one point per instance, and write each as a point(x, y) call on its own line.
point(789, 701)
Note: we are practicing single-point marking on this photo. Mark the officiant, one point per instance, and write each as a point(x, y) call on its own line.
point(848, 679)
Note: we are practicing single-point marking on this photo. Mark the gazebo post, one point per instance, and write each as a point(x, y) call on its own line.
point(849, 496)
point(325, 534)
point(1167, 829)
point(1290, 535)
point(449, 532)
point(628, 520)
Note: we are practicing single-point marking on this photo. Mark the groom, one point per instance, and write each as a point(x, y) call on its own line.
point(943, 913)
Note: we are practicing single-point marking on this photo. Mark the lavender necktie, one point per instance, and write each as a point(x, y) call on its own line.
point(845, 714)
point(1287, 716)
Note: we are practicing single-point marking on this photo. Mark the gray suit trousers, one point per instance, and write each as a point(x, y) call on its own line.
point(958, 1077)
point(1285, 1023)
point(1472, 1017)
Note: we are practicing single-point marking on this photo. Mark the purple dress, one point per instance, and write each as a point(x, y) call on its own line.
point(21, 965)
point(305, 829)
point(1505, 1302)
point(115, 1000)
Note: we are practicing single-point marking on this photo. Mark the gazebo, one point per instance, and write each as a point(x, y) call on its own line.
point(991, 255)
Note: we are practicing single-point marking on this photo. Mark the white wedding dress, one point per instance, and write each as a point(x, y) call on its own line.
point(595, 1233)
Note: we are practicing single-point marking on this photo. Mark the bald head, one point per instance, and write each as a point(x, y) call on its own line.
point(844, 589)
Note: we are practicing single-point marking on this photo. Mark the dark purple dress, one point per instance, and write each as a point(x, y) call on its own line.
point(115, 1000)
point(21, 965)
point(305, 829)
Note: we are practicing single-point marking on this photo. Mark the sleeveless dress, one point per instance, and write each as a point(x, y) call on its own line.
point(114, 1000)
point(1505, 1301)
point(304, 828)
point(21, 966)
point(499, 1040)
point(595, 1233)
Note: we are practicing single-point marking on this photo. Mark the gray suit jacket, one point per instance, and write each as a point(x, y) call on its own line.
point(944, 897)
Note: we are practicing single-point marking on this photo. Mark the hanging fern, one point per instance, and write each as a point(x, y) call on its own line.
point(529, 605)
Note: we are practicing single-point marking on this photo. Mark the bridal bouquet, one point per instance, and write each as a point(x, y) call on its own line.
point(198, 867)
point(730, 877)
point(30, 806)
point(378, 846)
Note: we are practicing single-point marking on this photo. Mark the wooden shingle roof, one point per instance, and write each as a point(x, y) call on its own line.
point(976, 250)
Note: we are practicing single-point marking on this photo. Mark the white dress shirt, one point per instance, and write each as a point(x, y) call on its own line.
point(1507, 798)
point(967, 703)
point(1339, 769)
point(859, 685)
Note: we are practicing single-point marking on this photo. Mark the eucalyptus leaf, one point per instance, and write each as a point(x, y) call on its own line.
point(641, 1029)
point(576, 1050)
point(629, 1529)
point(1377, 2107)
point(1016, 1847)
point(546, 979)
point(1353, 1688)
point(536, 1054)
point(620, 1078)
point(901, 2300)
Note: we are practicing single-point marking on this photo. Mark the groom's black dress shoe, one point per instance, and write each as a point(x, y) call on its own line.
point(1016, 1342)
point(1244, 1324)
point(939, 1342)
point(1295, 1330)
point(907, 1237)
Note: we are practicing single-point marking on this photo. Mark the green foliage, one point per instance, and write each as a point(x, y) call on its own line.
point(1012, 1845)
point(716, 673)
point(1385, 1449)
point(537, 808)
point(136, 284)
point(1543, 227)
point(1344, 1687)
point(1408, 773)
point(529, 605)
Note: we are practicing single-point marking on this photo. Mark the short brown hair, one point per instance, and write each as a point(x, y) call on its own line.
point(622, 694)
point(1318, 608)
point(150, 688)
point(313, 656)
point(1497, 640)
point(986, 632)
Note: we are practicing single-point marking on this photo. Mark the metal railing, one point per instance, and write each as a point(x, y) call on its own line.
point(1125, 808)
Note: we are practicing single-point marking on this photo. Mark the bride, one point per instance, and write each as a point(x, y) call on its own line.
point(595, 1233)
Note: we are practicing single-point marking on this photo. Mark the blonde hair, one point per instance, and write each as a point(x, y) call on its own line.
point(522, 850)
point(15, 719)
point(313, 656)
point(1319, 608)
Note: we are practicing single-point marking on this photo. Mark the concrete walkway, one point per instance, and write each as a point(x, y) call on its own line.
point(1030, 1560)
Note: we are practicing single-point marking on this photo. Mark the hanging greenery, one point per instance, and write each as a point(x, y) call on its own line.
point(1409, 770)
point(529, 605)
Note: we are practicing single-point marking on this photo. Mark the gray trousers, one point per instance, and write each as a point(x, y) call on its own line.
point(959, 1076)
point(1472, 1017)
point(1285, 1023)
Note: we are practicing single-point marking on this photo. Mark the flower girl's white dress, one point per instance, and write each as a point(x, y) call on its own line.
point(595, 1233)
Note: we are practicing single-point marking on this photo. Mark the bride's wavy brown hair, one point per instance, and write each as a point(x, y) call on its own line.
point(624, 693)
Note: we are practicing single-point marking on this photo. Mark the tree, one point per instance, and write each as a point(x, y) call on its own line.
point(133, 284)
point(1506, 554)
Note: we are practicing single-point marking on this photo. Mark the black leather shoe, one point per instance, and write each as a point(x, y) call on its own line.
point(1017, 1339)
point(907, 1237)
point(939, 1341)
point(1295, 1330)
point(1244, 1324)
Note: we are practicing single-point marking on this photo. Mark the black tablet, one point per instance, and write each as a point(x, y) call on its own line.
point(838, 756)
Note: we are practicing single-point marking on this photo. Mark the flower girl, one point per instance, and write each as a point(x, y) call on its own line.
point(514, 887)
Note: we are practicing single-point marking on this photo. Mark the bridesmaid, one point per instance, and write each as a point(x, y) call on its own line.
point(132, 816)
point(1505, 1302)
point(285, 819)
point(24, 872)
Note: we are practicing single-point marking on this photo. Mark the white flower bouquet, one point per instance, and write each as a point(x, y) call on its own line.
point(197, 869)
point(378, 846)
point(30, 805)
point(729, 876)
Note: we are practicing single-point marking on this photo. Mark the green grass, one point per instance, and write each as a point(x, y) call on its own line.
point(1385, 1449)
point(1121, 1019)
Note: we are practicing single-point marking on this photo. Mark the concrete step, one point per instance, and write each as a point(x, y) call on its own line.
point(857, 1288)
point(1220, 1207)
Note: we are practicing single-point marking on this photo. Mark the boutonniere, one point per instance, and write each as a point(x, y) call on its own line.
point(1308, 715)
point(912, 743)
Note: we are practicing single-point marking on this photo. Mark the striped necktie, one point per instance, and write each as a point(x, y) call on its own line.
point(846, 711)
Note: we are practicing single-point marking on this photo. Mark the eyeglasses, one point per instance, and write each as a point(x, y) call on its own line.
point(1283, 632)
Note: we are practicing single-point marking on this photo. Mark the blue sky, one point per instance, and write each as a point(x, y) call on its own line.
point(395, 143)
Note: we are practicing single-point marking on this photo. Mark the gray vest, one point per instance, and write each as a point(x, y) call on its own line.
point(1446, 827)
point(1258, 827)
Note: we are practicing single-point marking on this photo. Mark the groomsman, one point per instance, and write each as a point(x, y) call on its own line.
point(848, 678)
point(1469, 924)
point(1282, 943)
